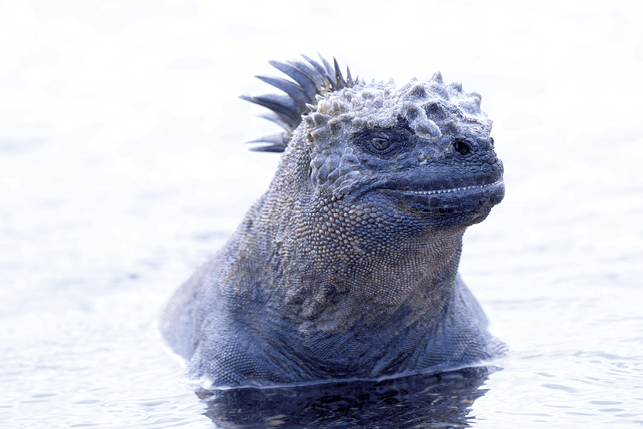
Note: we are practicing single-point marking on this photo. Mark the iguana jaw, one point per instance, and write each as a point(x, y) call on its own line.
point(458, 200)
point(443, 193)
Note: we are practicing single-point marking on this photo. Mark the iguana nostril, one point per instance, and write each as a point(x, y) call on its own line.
point(462, 147)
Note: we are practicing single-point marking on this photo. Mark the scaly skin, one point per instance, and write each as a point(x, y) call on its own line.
point(347, 267)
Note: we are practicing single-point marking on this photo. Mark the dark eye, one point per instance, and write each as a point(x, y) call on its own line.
point(383, 142)
point(379, 143)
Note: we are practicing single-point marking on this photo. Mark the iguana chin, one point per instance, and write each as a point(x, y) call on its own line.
point(347, 267)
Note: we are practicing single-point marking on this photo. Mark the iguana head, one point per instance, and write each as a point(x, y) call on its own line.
point(374, 191)
point(422, 150)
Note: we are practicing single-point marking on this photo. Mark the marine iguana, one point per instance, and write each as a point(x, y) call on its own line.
point(347, 267)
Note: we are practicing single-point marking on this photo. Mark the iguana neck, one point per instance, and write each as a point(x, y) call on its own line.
point(413, 277)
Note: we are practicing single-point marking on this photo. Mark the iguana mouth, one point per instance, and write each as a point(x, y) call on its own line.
point(465, 199)
point(444, 191)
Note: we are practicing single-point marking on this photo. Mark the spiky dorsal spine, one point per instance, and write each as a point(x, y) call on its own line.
point(311, 78)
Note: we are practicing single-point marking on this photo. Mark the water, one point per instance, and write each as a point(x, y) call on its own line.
point(121, 169)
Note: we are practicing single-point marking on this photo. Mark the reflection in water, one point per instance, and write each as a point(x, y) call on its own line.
point(426, 400)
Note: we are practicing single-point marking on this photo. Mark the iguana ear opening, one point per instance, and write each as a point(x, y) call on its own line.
point(311, 78)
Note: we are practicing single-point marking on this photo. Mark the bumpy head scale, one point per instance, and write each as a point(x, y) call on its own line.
point(333, 106)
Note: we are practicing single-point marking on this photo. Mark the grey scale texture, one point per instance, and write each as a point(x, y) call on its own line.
point(347, 267)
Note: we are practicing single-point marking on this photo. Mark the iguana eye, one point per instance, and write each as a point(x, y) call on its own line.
point(384, 142)
point(462, 146)
point(380, 144)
